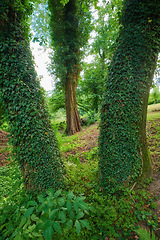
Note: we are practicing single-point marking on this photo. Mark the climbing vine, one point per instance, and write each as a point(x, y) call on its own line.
point(123, 153)
point(34, 144)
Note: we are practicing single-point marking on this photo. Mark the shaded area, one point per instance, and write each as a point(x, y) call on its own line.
point(3, 145)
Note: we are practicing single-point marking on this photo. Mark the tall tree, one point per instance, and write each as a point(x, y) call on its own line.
point(70, 27)
point(123, 152)
point(34, 144)
point(106, 31)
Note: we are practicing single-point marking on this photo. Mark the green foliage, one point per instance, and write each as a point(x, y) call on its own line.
point(107, 31)
point(154, 96)
point(40, 23)
point(109, 216)
point(46, 217)
point(34, 145)
point(123, 112)
point(12, 197)
point(4, 126)
point(144, 234)
point(2, 111)
point(90, 88)
point(70, 27)
point(56, 101)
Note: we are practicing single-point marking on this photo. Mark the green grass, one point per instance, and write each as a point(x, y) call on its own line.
point(153, 112)
point(153, 107)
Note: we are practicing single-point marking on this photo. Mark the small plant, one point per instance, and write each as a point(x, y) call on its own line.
point(52, 216)
point(145, 235)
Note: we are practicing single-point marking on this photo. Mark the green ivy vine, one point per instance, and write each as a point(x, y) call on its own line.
point(34, 144)
point(122, 143)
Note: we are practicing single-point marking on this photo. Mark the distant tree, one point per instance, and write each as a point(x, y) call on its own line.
point(90, 88)
point(34, 144)
point(56, 100)
point(106, 31)
point(123, 152)
point(107, 27)
point(70, 27)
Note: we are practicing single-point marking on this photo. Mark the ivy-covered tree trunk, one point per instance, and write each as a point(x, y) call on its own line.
point(123, 152)
point(34, 144)
point(72, 115)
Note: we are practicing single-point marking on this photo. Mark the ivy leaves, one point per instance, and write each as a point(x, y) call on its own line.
point(123, 113)
point(34, 144)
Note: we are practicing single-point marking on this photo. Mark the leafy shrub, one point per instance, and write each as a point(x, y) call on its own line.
point(154, 96)
point(49, 216)
point(4, 126)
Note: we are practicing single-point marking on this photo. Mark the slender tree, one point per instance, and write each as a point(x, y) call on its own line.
point(34, 144)
point(69, 31)
point(123, 152)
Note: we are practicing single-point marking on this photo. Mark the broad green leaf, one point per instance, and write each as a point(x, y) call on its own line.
point(31, 228)
point(85, 223)
point(69, 224)
point(35, 234)
point(48, 233)
point(32, 203)
point(18, 237)
point(53, 213)
point(34, 218)
point(70, 195)
point(41, 199)
point(62, 216)
point(28, 212)
point(57, 193)
point(78, 226)
point(57, 227)
point(69, 205)
point(72, 215)
point(23, 221)
point(83, 205)
point(61, 201)
point(46, 224)
point(80, 215)
point(77, 199)
point(76, 206)
point(50, 192)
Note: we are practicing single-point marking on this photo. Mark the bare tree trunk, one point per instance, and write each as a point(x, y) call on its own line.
point(72, 115)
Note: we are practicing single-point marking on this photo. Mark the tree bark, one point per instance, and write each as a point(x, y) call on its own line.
point(72, 115)
point(123, 152)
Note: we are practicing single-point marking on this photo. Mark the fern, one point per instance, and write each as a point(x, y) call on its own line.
point(145, 235)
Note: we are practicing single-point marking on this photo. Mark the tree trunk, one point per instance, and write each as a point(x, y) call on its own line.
point(72, 115)
point(34, 144)
point(123, 152)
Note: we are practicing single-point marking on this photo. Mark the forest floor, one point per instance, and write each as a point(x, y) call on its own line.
point(88, 140)
point(3, 148)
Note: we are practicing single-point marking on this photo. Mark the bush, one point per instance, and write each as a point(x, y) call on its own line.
point(47, 217)
point(154, 96)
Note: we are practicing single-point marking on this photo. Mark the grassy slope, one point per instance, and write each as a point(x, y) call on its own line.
point(153, 112)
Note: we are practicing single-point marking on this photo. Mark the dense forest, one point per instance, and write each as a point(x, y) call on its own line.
point(80, 162)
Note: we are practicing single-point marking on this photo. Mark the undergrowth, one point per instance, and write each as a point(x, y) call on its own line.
point(97, 217)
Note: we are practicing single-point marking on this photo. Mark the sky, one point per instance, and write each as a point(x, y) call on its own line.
point(41, 60)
